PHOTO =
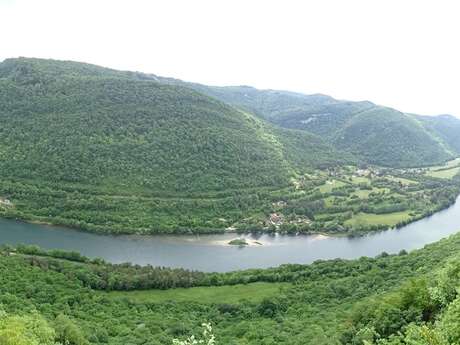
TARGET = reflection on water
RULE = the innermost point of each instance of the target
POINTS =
(210, 252)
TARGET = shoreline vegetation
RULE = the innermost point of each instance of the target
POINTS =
(340, 201)
(319, 234)
(349, 233)
(184, 232)
(107, 302)
(64, 260)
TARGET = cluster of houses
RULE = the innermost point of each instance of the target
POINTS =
(369, 172)
(5, 202)
(361, 172)
(278, 219)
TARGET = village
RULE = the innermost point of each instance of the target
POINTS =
(355, 199)
(5, 202)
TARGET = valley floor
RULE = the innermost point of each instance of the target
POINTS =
(343, 200)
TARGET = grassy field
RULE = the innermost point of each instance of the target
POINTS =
(363, 193)
(452, 163)
(254, 292)
(389, 219)
(330, 185)
(360, 179)
(449, 173)
(329, 201)
(403, 181)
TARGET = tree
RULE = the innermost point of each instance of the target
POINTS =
(25, 330)
(207, 337)
(67, 332)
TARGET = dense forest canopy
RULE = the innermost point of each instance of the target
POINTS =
(98, 128)
(114, 151)
(409, 298)
(126, 152)
(75, 133)
(375, 134)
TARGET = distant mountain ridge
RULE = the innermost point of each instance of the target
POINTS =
(375, 134)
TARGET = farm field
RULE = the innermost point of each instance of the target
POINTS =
(445, 173)
(254, 292)
(369, 219)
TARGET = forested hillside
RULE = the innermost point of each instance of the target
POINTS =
(375, 134)
(446, 127)
(105, 150)
(410, 298)
(390, 138)
(73, 125)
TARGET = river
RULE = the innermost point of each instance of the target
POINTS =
(210, 252)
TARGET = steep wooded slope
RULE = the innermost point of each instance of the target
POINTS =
(387, 137)
(375, 134)
(446, 127)
(381, 300)
(64, 121)
(107, 150)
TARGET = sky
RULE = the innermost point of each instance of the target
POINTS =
(400, 53)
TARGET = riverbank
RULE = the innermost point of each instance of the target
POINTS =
(181, 232)
(193, 251)
(340, 201)
(342, 232)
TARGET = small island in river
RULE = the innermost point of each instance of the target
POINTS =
(238, 242)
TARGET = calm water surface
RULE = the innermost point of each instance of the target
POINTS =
(207, 252)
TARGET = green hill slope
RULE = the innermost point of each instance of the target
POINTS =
(446, 127)
(391, 299)
(103, 130)
(319, 114)
(376, 134)
(387, 137)
(76, 128)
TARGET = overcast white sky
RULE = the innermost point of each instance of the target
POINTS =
(400, 53)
